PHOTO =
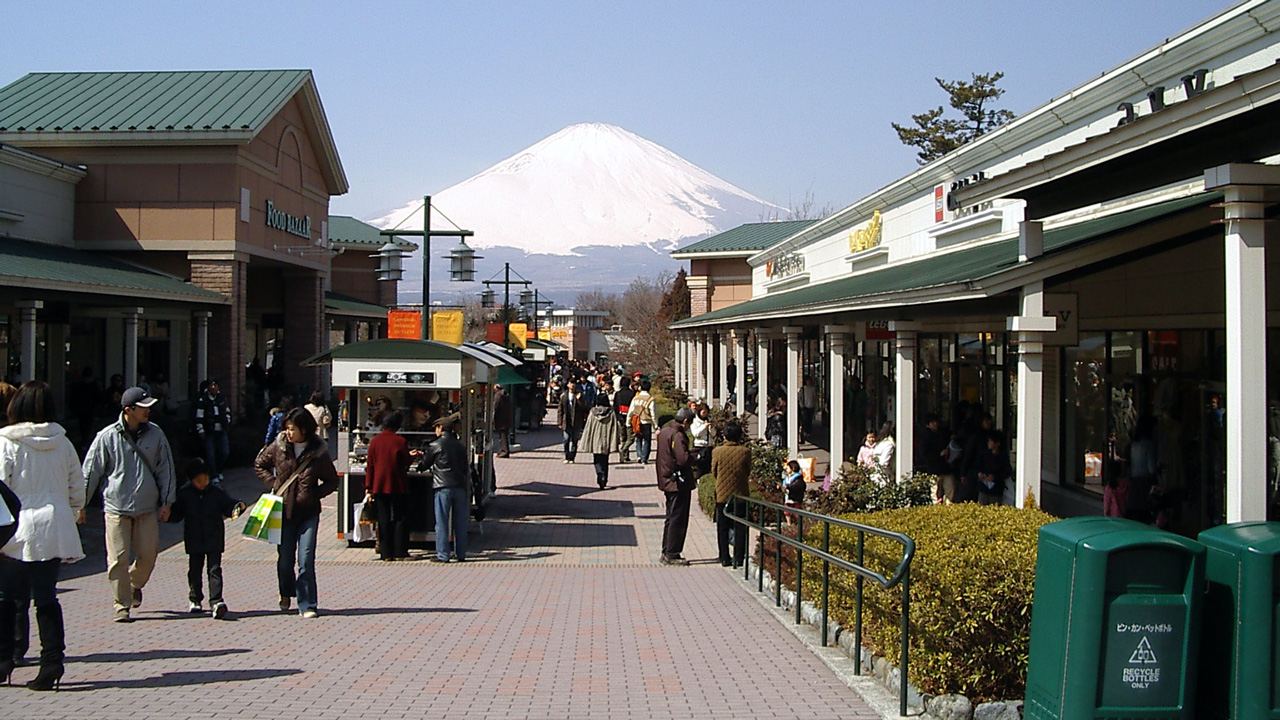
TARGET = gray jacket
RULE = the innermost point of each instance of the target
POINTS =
(128, 485)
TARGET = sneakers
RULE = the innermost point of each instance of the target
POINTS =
(309, 614)
(122, 616)
(195, 607)
(219, 611)
(437, 559)
(285, 603)
(673, 560)
(137, 597)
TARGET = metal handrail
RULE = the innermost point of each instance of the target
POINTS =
(901, 575)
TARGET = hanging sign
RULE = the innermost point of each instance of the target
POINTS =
(446, 326)
(517, 335)
(404, 324)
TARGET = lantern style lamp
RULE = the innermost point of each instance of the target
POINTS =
(390, 262)
(487, 298)
(462, 262)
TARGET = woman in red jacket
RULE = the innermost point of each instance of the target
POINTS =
(386, 482)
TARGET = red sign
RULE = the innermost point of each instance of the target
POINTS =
(493, 333)
(404, 324)
(938, 205)
(879, 330)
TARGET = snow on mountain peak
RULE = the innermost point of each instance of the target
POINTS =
(590, 184)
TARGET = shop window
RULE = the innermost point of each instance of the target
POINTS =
(1085, 411)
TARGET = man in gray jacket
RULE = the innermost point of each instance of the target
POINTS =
(132, 460)
(446, 458)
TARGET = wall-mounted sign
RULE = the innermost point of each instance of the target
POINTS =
(384, 377)
(784, 266)
(1192, 83)
(939, 209)
(964, 182)
(879, 330)
(867, 236)
(281, 220)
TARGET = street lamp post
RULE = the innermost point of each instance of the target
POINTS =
(506, 282)
(461, 259)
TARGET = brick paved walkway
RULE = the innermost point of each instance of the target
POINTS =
(563, 614)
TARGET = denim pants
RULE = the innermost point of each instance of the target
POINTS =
(298, 540)
(571, 435)
(644, 443)
(216, 448)
(452, 514)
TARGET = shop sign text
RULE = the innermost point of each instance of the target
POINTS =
(784, 266)
(867, 236)
(1192, 83)
(281, 220)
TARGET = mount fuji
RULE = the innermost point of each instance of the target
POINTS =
(590, 206)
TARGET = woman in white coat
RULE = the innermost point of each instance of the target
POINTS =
(39, 464)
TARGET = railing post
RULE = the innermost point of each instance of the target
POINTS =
(799, 562)
(906, 627)
(777, 563)
(857, 623)
(760, 566)
(826, 577)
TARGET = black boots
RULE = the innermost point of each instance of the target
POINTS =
(52, 647)
(6, 641)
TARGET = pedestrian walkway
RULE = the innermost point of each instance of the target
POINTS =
(561, 612)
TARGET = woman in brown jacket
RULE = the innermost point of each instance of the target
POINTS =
(297, 467)
(731, 466)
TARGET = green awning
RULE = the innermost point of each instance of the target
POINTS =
(507, 375)
(347, 306)
(385, 349)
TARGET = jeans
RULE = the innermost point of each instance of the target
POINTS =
(571, 435)
(723, 527)
(216, 448)
(601, 461)
(628, 439)
(125, 534)
(452, 513)
(644, 443)
(196, 563)
(298, 539)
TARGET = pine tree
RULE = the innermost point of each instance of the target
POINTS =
(936, 135)
(675, 301)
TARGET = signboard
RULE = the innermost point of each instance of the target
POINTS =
(784, 266)
(493, 333)
(517, 334)
(544, 334)
(1143, 657)
(867, 236)
(292, 224)
(1064, 307)
(446, 326)
(404, 324)
(939, 208)
(879, 330)
(392, 377)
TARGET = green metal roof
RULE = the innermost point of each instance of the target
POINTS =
(951, 268)
(133, 102)
(508, 376)
(752, 237)
(55, 267)
(339, 304)
(386, 349)
(350, 231)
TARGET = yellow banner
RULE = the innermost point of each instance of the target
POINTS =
(446, 326)
(544, 334)
(518, 335)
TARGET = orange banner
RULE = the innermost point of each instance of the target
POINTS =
(404, 324)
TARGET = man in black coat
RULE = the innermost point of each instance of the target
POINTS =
(621, 404)
(675, 479)
(572, 418)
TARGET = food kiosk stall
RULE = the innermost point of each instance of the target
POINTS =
(425, 380)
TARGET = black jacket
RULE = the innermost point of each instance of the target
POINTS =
(11, 501)
(203, 511)
(212, 414)
(447, 458)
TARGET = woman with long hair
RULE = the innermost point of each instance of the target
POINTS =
(40, 465)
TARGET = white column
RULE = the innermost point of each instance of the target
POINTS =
(27, 352)
(56, 374)
(762, 381)
(1246, 303)
(838, 337)
(722, 378)
(681, 380)
(709, 367)
(740, 360)
(696, 387)
(202, 345)
(904, 423)
(131, 346)
(793, 389)
(1030, 327)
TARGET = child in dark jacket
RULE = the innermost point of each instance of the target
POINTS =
(203, 507)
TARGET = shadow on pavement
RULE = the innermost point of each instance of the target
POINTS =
(553, 490)
(178, 679)
(577, 534)
(152, 655)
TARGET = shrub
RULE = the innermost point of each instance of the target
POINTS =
(857, 489)
(971, 591)
(767, 462)
(707, 494)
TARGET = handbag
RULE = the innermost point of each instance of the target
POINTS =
(635, 424)
(367, 511)
(365, 518)
(266, 519)
(10, 507)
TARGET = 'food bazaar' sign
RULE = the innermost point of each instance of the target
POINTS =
(867, 236)
(281, 220)
(784, 266)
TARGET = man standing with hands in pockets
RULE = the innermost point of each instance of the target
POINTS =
(131, 458)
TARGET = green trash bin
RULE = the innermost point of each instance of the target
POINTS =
(1238, 655)
(1115, 622)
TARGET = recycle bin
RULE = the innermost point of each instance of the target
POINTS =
(1238, 655)
(1115, 622)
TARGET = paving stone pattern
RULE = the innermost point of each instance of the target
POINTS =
(562, 612)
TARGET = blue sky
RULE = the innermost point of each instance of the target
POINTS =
(782, 99)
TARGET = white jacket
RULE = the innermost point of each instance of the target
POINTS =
(39, 464)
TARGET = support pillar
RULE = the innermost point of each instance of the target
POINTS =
(838, 338)
(228, 275)
(57, 361)
(131, 346)
(202, 345)
(27, 353)
(904, 423)
(708, 366)
(698, 386)
(762, 381)
(740, 360)
(1028, 456)
(722, 376)
(793, 389)
(1246, 302)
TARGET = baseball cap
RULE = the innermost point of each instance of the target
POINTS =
(136, 397)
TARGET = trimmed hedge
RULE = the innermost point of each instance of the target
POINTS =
(707, 494)
(971, 591)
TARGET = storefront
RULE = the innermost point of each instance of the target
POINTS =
(1094, 275)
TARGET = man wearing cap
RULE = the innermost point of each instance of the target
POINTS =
(675, 480)
(446, 457)
(132, 460)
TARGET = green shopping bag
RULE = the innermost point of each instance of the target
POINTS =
(265, 519)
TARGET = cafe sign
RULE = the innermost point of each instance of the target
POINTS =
(292, 224)
(784, 266)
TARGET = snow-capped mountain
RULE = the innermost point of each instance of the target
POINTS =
(592, 196)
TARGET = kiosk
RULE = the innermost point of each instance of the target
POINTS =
(425, 380)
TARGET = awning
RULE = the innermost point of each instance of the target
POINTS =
(966, 273)
(346, 306)
(385, 349)
(508, 376)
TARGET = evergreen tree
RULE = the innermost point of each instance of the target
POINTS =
(936, 135)
(675, 301)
